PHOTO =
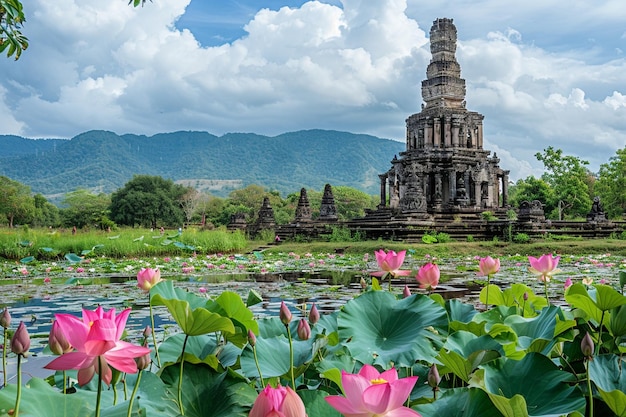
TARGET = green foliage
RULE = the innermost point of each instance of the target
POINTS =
(611, 185)
(470, 238)
(16, 203)
(570, 181)
(521, 238)
(11, 20)
(488, 216)
(85, 209)
(530, 189)
(148, 201)
(443, 237)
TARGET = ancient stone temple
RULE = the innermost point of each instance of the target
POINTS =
(328, 211)
(303, 210)
(444, 168)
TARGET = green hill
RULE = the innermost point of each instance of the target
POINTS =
(104, 161)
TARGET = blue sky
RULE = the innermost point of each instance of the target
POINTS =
(543, 72)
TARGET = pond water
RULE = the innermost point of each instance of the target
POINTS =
(35, 301)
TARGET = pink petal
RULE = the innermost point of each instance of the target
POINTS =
(120, 322)
(344, 406)
(85, 374)
(390, 375)
(353, 387)
(369, 372)
(74, 329)
(402, 412)
(376, 398)
(400, 391)
(71, 360)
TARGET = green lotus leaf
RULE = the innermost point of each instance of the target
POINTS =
(199, 349)
(538, 333)
(193, 322)
(73, 258)
(460, 311)
(37, 396)
(617, 322)
(272, 347)
(230, 304)
(598, 300)
(166, 290)
(379, 329)
(545, 388)
(463, 352)
(316, 405)
(207, 394)
(254, 298)
(606, 371)
(26, 260)
(460, 402)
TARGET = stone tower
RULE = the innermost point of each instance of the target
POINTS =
(444, 168)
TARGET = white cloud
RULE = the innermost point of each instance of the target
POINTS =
(356, 68)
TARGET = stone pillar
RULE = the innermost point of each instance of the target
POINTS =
(383, 190)
(480, 136)
(428, 134)
(466, 181)
(452, 184)
(437, 132)
(505, 190)
(455, 133)
(496, 192)
(447, 139)
(438, 189)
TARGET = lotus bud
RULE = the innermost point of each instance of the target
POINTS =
(406, 292)
(143, 362)
(147, 332)
(285, 314)
(314, 315)
(251, 338)
(304, 331)
(57, 341)
(525, 296)
(5, 319)
(148, 278)
(363, 283)
(586, 346)
(20, 342)
(433, 376)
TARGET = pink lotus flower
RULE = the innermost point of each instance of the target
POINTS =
(304, 330)
(390, 263)
(97, 344)
(568, 283)
(544, 267)
(278, 402)
(148, 278)
(373, 394)
(488, 266)
(428, 276)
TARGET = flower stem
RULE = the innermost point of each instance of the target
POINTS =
(5, 346)
(590, 391)
(293, 380)
(256, 360)
(545, 286)
(99, 394)
(486, 294)
(180, 377)
(18, 396)
(132, 396)
(156, 350)
(597, 352)
(64, 382)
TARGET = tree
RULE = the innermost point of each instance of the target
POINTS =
(46, 213)
(190, 202)
(148, 201)
(570, 181)
(349, 202)
(16, 202)
(611, 185)
(82, 208)
(11, 20)
(530, 189)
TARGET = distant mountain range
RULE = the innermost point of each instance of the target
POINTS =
(103, 161)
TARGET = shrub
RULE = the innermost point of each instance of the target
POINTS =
(443, 238)
(470, 238)
(521, 238)
(488, 216)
